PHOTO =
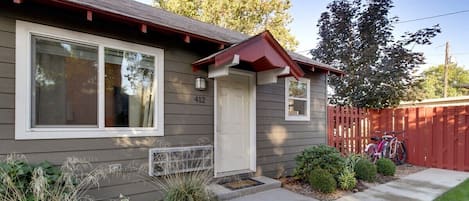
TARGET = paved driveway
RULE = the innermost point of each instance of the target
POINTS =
(422, 186)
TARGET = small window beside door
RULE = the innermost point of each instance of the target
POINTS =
(297, 99)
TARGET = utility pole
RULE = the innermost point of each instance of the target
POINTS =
(445, 90)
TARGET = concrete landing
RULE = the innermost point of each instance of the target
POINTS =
(425, 185)
(278, 194)
(223, 193)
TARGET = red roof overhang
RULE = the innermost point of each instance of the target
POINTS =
(262, 52)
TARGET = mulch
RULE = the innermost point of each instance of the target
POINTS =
(301, 187)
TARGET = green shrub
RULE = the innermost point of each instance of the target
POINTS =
(322, 181)
(322, 156)
(385, 167)
(365, 170)
(347, 179)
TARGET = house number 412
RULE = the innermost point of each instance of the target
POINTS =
(199, 99)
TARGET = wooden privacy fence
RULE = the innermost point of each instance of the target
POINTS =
(348, 129)
(434, 136)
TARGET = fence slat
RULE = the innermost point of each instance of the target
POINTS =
(450, 138)
(437, 135)
(330, 126)
(412, 118)
(427, 137)
(466, 142)
(460, 137)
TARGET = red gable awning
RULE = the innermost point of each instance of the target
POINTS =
(262, 52)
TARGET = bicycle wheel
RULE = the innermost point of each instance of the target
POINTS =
(370, 151)
(401, 154)
(386, 153)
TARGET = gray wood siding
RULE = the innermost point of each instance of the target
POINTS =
(186, 121)
(279, 141)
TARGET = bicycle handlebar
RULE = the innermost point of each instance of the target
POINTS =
(390, 132)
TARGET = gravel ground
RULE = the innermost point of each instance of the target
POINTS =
(303, 188)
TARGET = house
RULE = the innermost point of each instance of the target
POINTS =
(109, 80)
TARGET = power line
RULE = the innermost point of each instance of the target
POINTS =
(431, 17)
(457, 53)
(301, 51)
(440, 45)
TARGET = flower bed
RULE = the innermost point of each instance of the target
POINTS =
(304, 188)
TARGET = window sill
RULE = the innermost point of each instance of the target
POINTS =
(75, 133)
(293, 118)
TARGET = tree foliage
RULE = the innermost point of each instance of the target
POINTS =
(433, 81)
(246, 16)
(357, 38)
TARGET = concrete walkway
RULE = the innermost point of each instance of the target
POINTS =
(422, 186)
(278, 194)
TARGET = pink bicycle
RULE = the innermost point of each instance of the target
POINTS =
(387, 146)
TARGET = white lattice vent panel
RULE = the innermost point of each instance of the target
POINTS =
(170, 160)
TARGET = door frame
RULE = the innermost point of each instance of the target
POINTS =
(252, 123)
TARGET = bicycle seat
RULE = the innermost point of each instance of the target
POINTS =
(387, 137)
(375, 138)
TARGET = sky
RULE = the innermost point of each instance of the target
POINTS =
(455, 28)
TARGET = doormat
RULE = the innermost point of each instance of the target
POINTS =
(240, 184)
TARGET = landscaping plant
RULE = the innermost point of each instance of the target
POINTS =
(191, 186)
(322, 181)
(347, 180)
(385, 167)
(22, 181)
(19, 173)
(365, 170)
(352, 159)
(321, 156)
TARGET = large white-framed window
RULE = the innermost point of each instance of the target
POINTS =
(297, 99)
(76, 85)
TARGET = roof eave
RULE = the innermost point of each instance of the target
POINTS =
(150, 24)
(313, 67)
(121, 16)
(296, 69)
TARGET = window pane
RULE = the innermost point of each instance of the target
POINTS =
(297, 107)
(297, 89)
(65, 83)
(129, 98)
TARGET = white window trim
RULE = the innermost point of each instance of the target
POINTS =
(23, 130)
(307, 99)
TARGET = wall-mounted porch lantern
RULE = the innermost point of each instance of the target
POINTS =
(200, 84)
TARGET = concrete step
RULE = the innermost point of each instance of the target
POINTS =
(223, 193)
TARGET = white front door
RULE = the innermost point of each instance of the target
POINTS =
(234, 124)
